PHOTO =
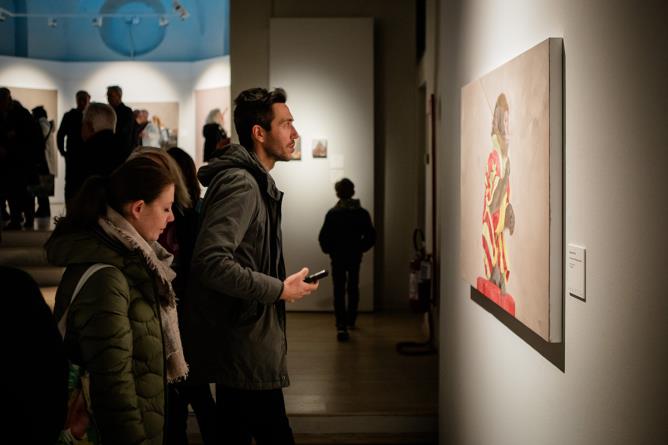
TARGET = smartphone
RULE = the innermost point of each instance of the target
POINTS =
(316, 276)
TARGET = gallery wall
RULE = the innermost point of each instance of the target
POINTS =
(396, 156)
(152, 82)
(610, 387)
(330, 101)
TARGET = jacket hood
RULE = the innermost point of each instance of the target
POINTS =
(63, 249)
(236, 156)
(348, 204)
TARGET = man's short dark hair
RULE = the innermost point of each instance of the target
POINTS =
(254, 107)
(345, 189)
(116, 89)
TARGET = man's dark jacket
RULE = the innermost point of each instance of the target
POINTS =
(347, 232)
(125, 124)
(102, 153)
(235, 322)
(72, 149)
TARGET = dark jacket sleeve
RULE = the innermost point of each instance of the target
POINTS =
(325, 237)
(368, 232)
(228, 217)
(62, 131)
(106, 352)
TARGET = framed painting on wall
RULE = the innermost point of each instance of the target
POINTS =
(511, 187)
(319, 148)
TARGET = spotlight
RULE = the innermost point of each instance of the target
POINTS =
(180, 10)
(52, 22)
(97, 22)
(164, 21)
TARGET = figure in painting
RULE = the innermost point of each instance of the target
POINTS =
(497, 215)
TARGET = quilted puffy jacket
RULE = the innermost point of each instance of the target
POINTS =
(114, 332)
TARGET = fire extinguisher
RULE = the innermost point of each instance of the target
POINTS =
(419, 296)
(419, 278)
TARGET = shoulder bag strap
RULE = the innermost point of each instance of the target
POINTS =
(62, 323)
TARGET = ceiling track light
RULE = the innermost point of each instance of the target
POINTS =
(97, 20)
(180, 9)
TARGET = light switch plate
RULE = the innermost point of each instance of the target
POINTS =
(575, 271)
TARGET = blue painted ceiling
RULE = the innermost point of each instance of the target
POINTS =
(112, 30)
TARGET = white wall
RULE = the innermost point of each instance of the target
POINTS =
(496, 389)
(331, 100)
(141, 82)
(396, 156)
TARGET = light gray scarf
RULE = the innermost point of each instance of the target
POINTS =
(158, 260)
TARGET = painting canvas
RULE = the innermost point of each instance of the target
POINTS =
(319, 148)
(511, 187)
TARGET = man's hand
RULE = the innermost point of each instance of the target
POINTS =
(294, 287)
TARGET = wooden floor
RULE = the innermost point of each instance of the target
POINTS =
(365, 375)
(357, 392)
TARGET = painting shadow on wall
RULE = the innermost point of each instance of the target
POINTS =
(555, 353)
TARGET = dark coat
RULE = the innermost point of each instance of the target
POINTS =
(347, 232)
(33, 378)
(22, 156)
(125, 126)
(235, 322)
(70, 146)
(102, 153)
(114, 332)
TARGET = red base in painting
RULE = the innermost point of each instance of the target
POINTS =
(493, 292)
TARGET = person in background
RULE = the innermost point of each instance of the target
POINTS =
(51, 156)
(235, 312)
(22, 155)
(102, 151)
(345, 235)
(122, 328)
(214, 134)
(33, 377)
(164, 131)
(179, 239)
(70, 143)
(149, 134)
(125, 119)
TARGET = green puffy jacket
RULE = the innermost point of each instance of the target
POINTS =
(114, 332)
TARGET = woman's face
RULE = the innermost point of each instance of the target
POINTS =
(150, 219)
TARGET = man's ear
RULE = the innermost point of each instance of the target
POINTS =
(258, 133)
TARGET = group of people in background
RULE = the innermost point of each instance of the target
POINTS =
(94, 138)
(24, 139)
(165, 292)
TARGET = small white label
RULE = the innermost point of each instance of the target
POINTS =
(575, 271)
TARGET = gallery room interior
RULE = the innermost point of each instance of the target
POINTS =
(533, 295)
